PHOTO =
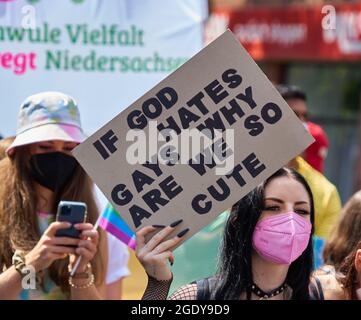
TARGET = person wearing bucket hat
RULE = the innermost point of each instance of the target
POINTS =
(37, 173)
(47, 116)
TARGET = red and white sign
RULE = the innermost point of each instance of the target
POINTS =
(295, 32)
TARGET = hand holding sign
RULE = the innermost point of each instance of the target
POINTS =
(241, 123)
(154, 253)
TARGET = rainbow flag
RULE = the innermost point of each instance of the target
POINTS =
(113, 223)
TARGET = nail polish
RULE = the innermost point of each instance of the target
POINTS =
(175, 223)
(182, 233)
(158, 226)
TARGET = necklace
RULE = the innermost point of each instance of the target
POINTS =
(266, 295)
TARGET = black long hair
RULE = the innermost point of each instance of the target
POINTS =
(234, 274)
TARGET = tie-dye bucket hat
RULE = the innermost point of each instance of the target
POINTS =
(47, 116)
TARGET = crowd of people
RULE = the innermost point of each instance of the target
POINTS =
(289, 238)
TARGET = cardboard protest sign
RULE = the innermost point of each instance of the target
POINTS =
(221, 89)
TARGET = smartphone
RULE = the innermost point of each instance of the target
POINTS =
(72, 212)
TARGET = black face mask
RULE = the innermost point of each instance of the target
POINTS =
(52, 170)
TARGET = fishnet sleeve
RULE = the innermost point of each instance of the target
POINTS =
(158, 290)
(187, 292)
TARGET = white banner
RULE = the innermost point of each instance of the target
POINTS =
(105, 54)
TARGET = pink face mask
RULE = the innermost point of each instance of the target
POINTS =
(281, 238)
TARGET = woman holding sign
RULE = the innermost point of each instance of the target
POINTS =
(37, 173)
(266, 251)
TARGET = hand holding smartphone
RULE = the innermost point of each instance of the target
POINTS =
(72, 212)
